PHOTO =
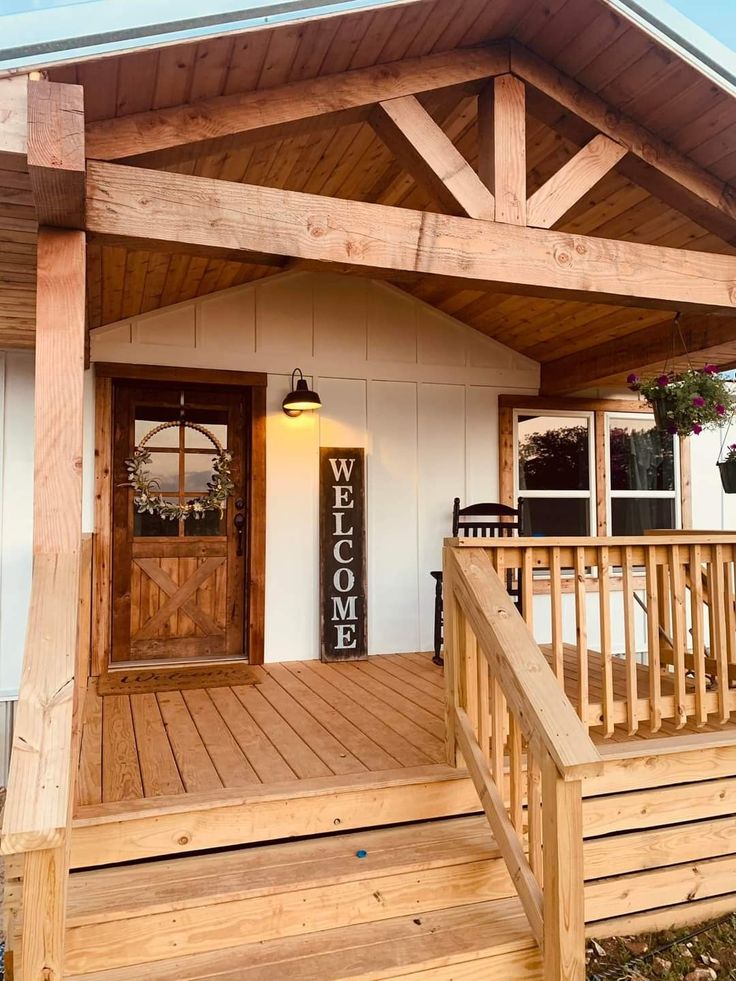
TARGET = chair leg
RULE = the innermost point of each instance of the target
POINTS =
(438, 623)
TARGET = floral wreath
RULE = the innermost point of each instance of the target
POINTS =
(148, 498)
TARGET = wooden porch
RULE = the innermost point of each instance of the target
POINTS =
(303, 725)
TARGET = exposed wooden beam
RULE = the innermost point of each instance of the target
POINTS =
(154, 209)
(56, 159)
(319, 101)
(573, 180)
(713, 195)
(612, 360)
(431, 157)
(509, 149)
(13, 121)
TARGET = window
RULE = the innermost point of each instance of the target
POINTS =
(555, 467)
(642, 465)
(589, 467)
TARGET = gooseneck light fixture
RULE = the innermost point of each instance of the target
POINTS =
(301, 398)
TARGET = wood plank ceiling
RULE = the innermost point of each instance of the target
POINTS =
(584, 38)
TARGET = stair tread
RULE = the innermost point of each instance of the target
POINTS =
(389, 948)
(165, 885)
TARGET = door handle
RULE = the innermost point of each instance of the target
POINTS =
(239, 523)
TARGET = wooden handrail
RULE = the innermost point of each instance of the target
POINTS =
(525, 750)
(544, 711)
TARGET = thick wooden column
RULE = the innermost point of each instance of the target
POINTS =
(40, 791)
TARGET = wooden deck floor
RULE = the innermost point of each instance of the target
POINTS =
(303, 720)
(303, 723)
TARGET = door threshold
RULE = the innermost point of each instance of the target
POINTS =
(140, 679)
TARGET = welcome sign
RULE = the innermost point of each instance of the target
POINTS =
(342, 553)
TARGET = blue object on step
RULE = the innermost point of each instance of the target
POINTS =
(361, 853)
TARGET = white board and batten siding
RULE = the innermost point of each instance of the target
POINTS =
(414, 387)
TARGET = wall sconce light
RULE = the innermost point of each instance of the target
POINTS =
(300, 398)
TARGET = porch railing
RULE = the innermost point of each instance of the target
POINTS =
(639, 632)
(40, 789)
(525, 749)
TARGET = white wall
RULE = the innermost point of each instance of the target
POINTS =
(16, 512)
(416, 388)
(712, 508)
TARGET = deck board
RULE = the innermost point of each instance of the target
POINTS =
(300, 722)
(303, 721)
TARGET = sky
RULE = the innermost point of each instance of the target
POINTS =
(716, 16)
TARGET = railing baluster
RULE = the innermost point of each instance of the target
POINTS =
(516, 810)
(719, 646)
(632, 688)
(498, 731)
(697, 621)
(558, 653)
(534, 813)
(484, 705)
(470, 674)
(581, 634)
(527, 588)
(653, 638)
(604, 594)
(730, 604)
(677, 597)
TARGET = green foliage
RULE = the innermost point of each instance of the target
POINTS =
(149, 500)
(687, 402)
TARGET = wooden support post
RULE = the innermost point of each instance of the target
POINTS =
(564, 912)
(56, 152)
(509, 145)
(40, 789)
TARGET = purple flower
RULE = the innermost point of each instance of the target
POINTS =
(698, 401)
(721, 409)
(697, 429)
(732, 446)
(632, 379)
(663, 381)
(711, 369)
(672, 430)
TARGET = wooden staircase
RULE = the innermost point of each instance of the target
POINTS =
(431, 900)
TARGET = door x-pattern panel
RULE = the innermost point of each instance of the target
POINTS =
(180, 597)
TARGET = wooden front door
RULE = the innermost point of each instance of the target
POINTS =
(179, 589)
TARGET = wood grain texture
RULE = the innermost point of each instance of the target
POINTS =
(509, 148)
(427, 154)
(317, 100)
(573, 180)
(56, 155)
(169, 210)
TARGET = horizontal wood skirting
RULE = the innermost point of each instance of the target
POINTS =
(169, 373)
(110, 833)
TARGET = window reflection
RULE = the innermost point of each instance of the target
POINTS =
(553, 453)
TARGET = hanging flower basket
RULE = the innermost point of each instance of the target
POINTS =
(686, 402)
(727, 470)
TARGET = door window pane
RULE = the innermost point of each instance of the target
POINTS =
(209, 524)
(640, 456)
(197, 472)
(164, 469)
(153, 525)
(554, 453)
(194, 440)
(635, 515)
(556, 516)
(167, 437)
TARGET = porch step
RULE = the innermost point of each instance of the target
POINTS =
(373, 904)
(480, 942)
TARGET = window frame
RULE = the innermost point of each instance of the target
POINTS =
(511, 406)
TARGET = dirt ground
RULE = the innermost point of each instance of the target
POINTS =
(701, 953)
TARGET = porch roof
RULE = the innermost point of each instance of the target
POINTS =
(603, 47)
